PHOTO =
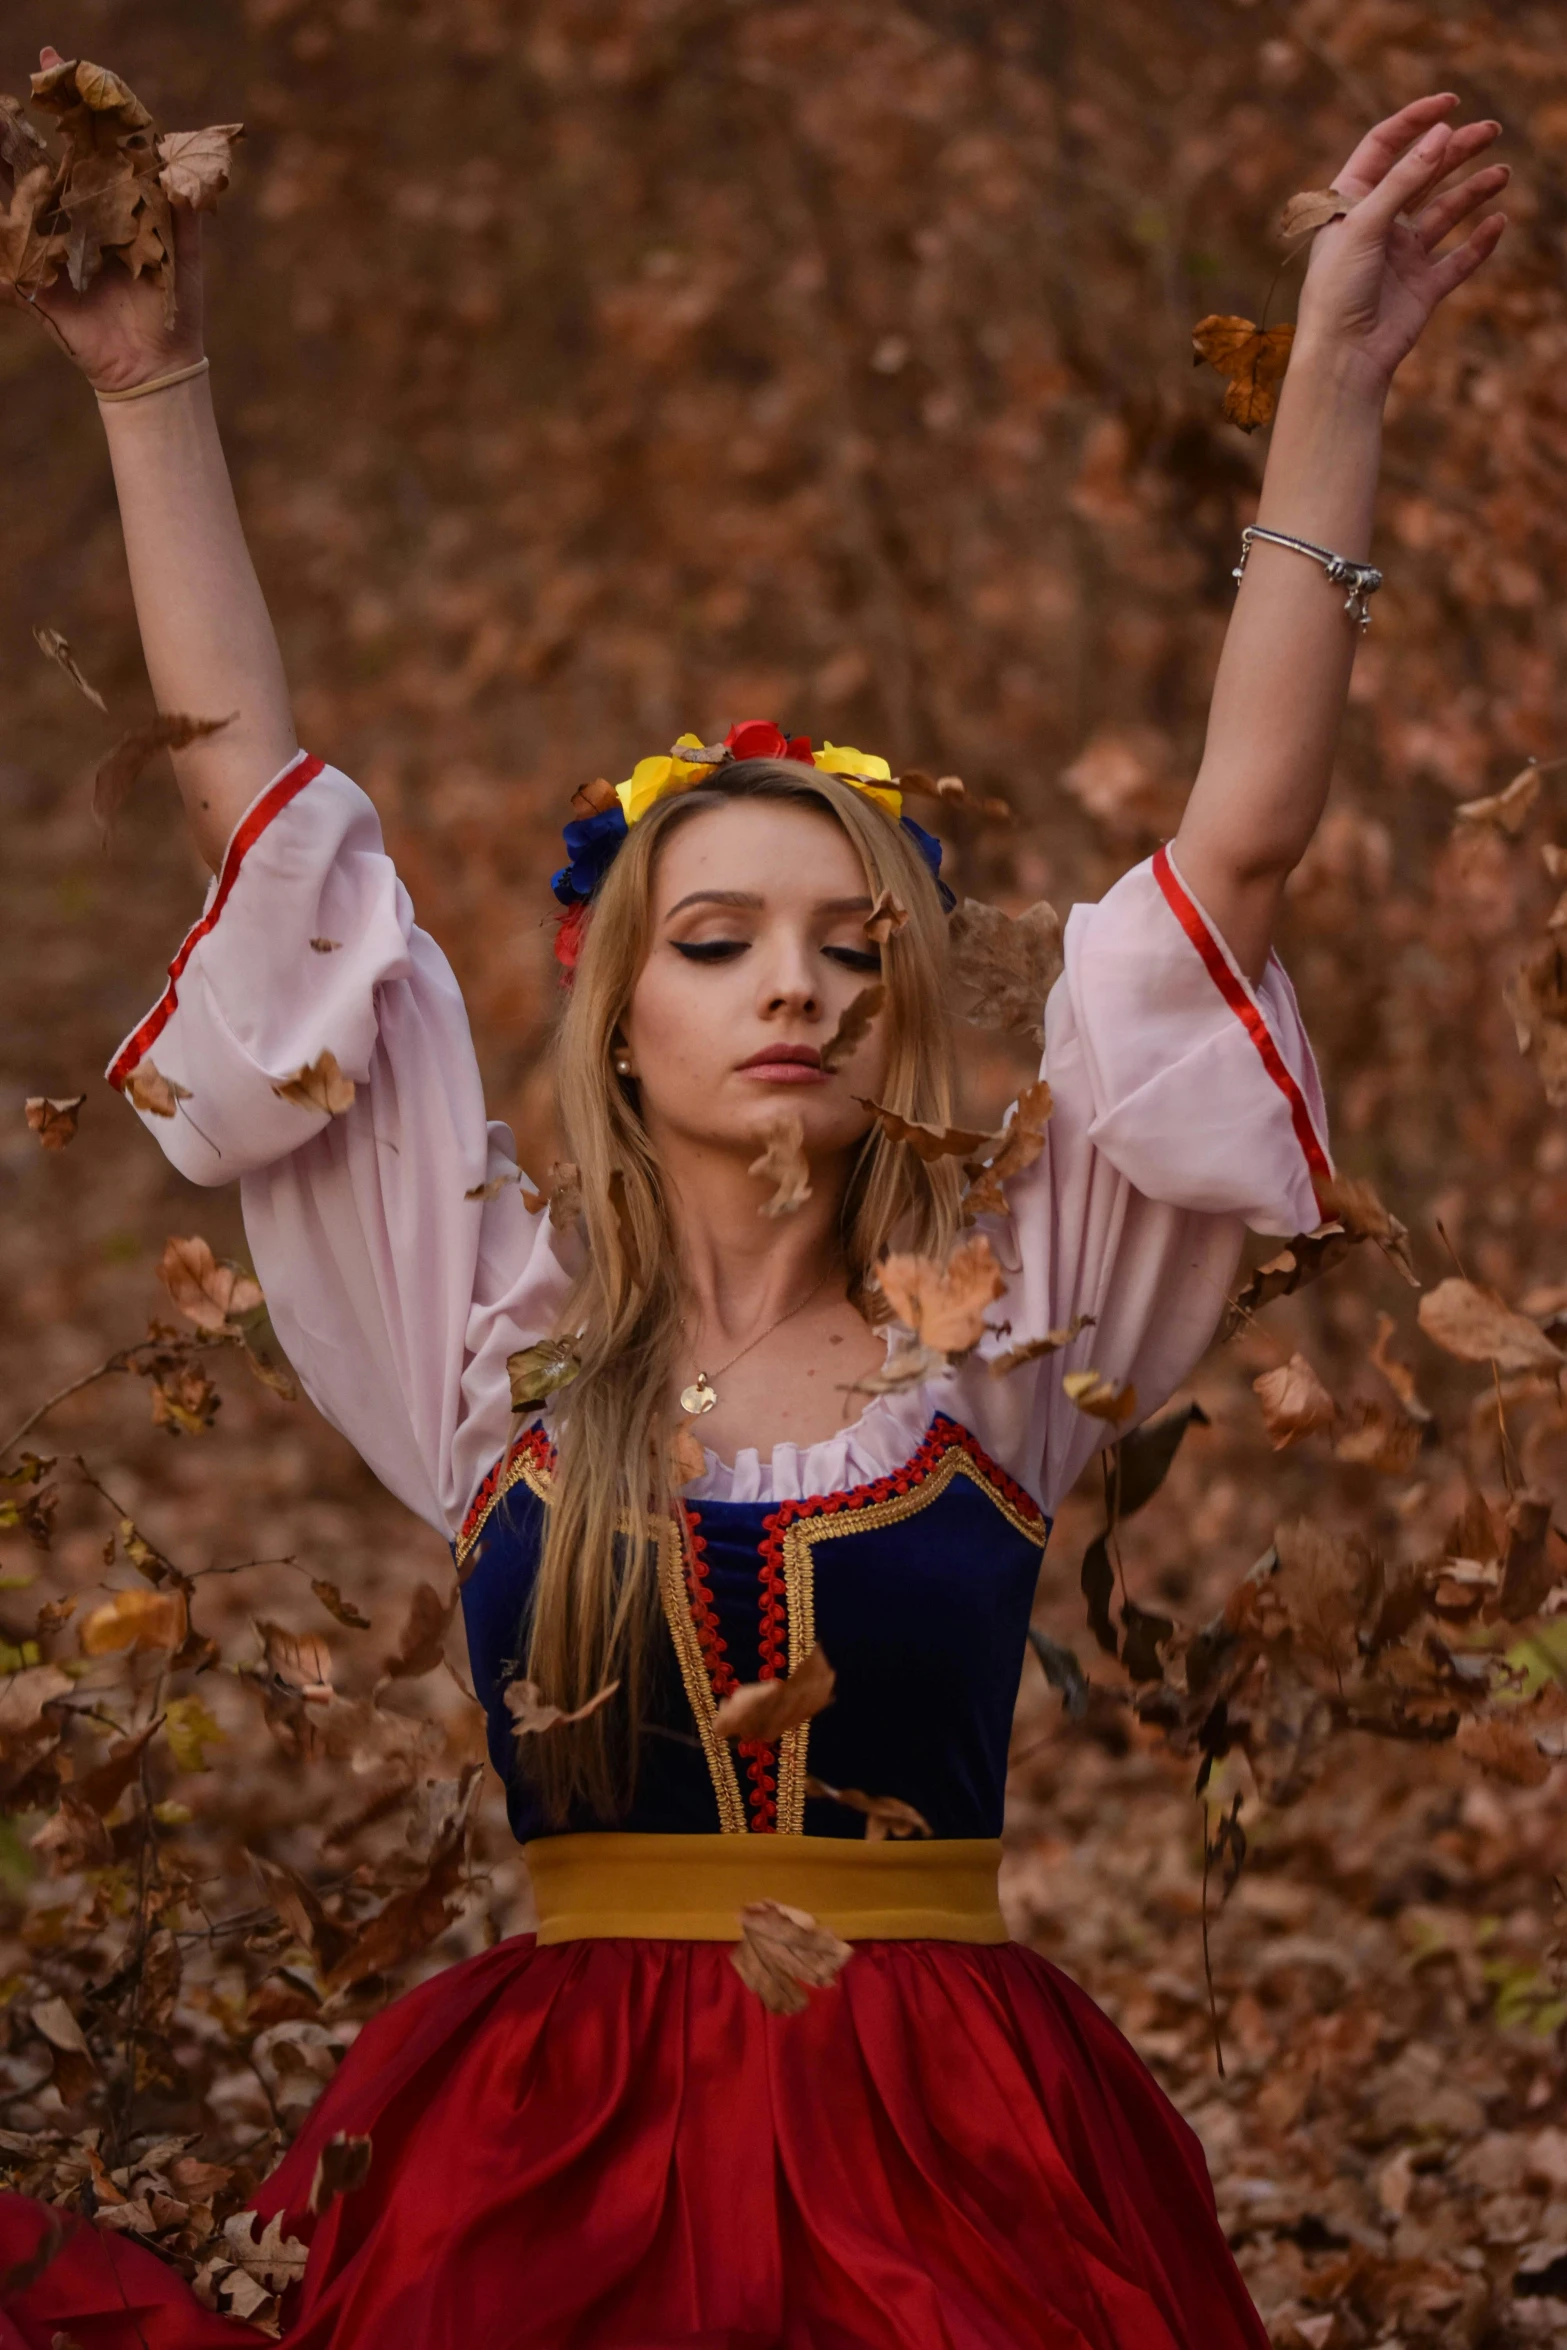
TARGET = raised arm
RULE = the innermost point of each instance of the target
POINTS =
(1371, 285)
(206, 635)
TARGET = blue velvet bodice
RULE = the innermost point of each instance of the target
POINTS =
(918, 1589)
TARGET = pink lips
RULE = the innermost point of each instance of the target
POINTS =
(786, 1064)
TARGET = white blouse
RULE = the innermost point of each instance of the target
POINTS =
(1187, 1106)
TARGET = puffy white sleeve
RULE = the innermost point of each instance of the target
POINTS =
(1186, 1107)
(396, 1297)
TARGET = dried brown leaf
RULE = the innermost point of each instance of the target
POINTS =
(927, 1141)
(687, 1459)
(1100, 1397)
(342, 2166)
(421, 1644)
(1328, 1587)
(885, 919)
(1031, 1349)
(55, 648)
(781, 1163)
(1312, 209)
(196, 164)
(885, 1815)
(319, 1085)
(1353, 1202)
(1252, 361)
(1372, 1438)
(1505, 1749)
(532, 1711)
(909, 1365)
(1021, 1142)
(148, 1090)
(301, 1662)
(135, 1620)
(496, 1185)
(783, 1953)
(539, 1371)
(854, 1027)
(1480, 1327)
(120, 770)
(1529, 1573)
(273, 2259)
(1294, 1402)
(764, 1710)
(1505, 811)
(1308, 1256)
(207, 1292)
(54, 1122)
(944, 1305)
(336, 1605)
(185, 1402)
(1006, 966)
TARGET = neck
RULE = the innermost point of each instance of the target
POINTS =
(739, 1267)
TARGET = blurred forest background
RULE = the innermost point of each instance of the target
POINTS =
(591, 369)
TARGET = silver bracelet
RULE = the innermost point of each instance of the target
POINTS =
(1363, 580)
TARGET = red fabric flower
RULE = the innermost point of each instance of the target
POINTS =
(569, 933)
(759, 738)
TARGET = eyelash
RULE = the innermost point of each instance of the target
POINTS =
(724, 950)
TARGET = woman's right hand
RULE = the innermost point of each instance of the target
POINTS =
(116, 331)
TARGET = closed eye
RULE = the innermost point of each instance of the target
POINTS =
(855, 958)
(710, 950)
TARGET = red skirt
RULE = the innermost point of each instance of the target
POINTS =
(610, 2145)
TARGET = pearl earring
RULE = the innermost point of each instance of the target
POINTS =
(622, 1064)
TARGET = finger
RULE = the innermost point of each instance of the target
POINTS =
(1465, 259)
(1443, 214)
(1382, 146)
(1403, 187)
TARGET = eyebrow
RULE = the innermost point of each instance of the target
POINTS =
(746, 899)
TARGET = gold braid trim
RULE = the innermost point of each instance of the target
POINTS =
(721, 1770)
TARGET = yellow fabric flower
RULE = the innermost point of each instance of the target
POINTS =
(873, 775)
(650, 779)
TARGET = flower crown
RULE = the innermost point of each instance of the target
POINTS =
(593, 841)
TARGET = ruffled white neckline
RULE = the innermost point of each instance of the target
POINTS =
(885, 1436)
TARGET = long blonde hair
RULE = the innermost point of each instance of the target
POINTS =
(595, 1603)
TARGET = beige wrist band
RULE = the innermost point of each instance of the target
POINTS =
(159, 383)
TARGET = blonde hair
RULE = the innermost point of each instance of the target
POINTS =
(595, 1604)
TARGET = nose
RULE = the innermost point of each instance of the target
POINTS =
(789, 982)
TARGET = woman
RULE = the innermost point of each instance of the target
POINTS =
(604, 2137)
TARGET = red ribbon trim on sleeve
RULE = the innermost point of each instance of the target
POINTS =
(272, 802)
(1246, 1012)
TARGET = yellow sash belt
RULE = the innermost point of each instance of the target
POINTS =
(693, 1888)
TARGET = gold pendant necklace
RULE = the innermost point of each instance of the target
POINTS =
(702, 1395)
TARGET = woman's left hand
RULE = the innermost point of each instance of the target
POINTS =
(1374, 276)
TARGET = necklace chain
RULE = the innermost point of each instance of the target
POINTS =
(702, 1395)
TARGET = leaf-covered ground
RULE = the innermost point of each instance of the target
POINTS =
(597, 369)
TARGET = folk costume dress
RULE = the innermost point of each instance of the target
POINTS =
(596, 2138)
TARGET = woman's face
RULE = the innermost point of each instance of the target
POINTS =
(757, 947)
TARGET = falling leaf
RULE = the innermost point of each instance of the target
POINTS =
(336, 1605)
(496, 1185)
(1100, 1397)
(299, 1908)
(1479, 1327)
(300, 1661)
(944, 1305)
(59, 2027)
(1032, 1349)
(1327, 1586)
(1251, 360)
(1529, 1574)
(782, 1164)
(854, 1026)
(325, 946)
(885, 919)
(909, 1365)
(210, 1293)
(1062, 1671)
(562, 1195)
(1140, 1463)
(56, 649)
(120, 770)
(275, 2260)
(783, 1953)
(1353, 1202)
(1308, 1256)
(1507, 1750)
(1294, 1402)
(1312, 209)
(190, 1728)
(595, 798)
(421, 1644)
(74, 1837)
(1143, 1636)
(196, 164)
(764, 1710)
(927, 1141)
(319, 1085)
(1021, 1143)
(342, 2166)
(885, 1815)
(539, 1371)
(185, 1402)
(1536, 996)
(1398, 1374)
(54, 1122)
(148, 1090)
(1007, 966)
(687, 1459)
(1508, 810)
(135, 1620)
(531, 1710)
(1372, 1438)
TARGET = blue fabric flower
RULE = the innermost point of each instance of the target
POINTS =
(592, 844)
(930, 849)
